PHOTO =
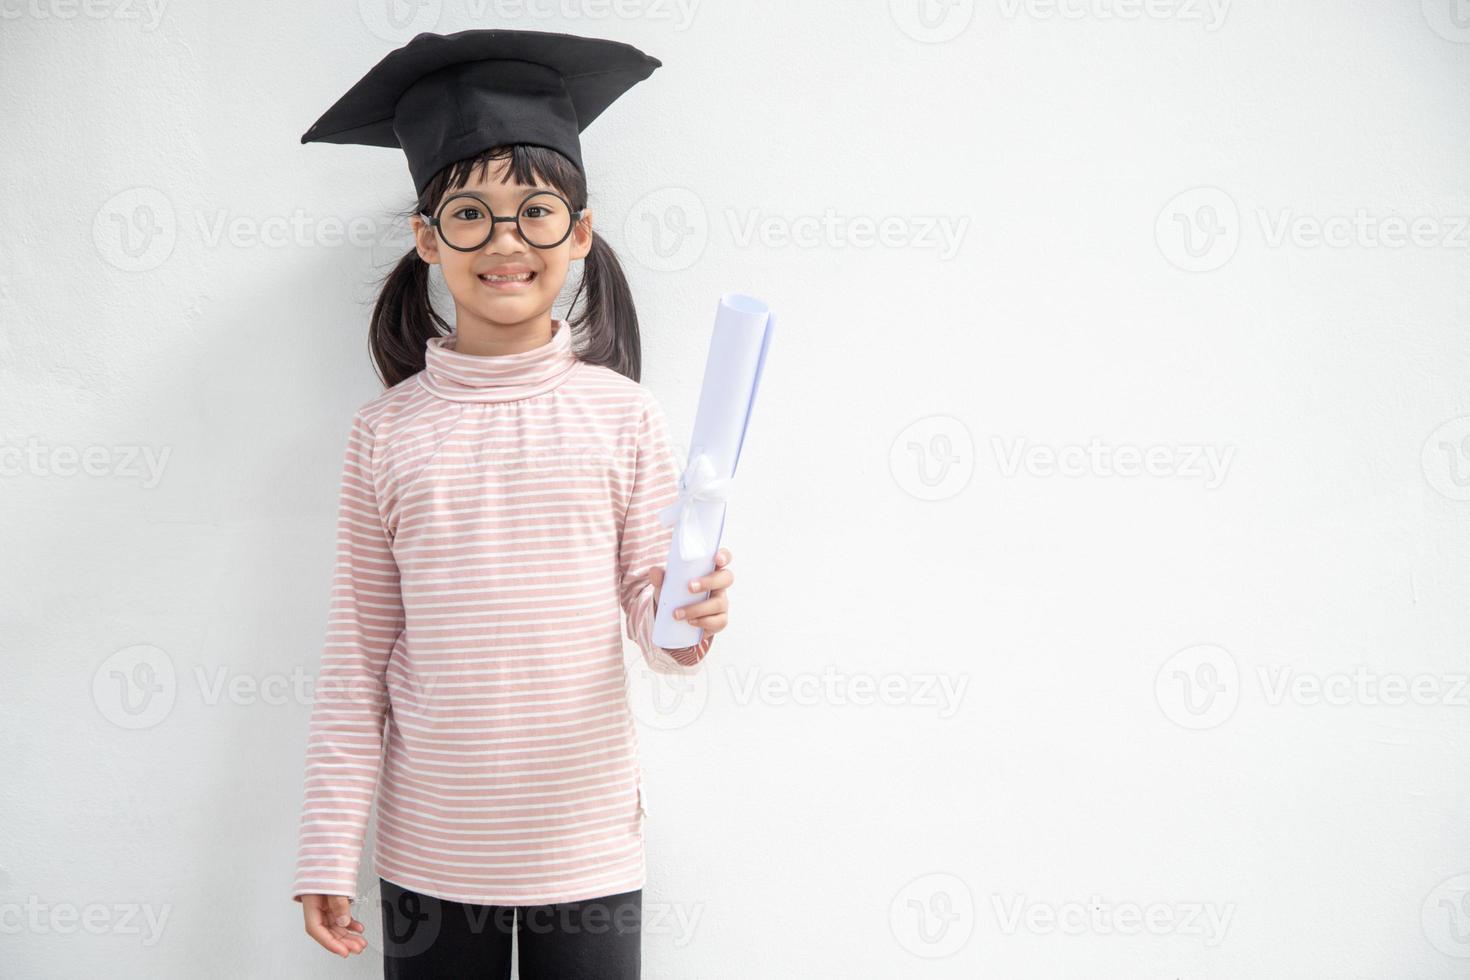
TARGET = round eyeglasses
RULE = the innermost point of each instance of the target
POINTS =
(544, 220)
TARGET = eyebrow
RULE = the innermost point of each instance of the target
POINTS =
(507, 190)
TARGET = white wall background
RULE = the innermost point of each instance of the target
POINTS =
(1204, 721)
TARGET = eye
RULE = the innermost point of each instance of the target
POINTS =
(536, 211)
(467, 213)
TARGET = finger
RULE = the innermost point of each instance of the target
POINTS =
(712, 624)
(722, 558)
(714, 581)
(705, 607)
(339, 910)
(354, 942)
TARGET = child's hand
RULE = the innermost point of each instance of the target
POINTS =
(323, 912)
(712, 614)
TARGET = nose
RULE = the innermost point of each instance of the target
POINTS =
(505, 237)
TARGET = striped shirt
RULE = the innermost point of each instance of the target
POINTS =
(497, 519)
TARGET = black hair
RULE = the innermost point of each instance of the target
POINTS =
(605, 332)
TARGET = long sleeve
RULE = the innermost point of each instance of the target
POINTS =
(643, 543)
(344, 746)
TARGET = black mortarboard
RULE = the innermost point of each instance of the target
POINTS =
(445, 97)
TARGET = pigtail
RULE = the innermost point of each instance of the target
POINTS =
(403, 321)
(609, 323)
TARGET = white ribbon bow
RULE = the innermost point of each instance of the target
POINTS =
(698, 483)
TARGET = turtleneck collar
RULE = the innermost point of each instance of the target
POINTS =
(451, 374)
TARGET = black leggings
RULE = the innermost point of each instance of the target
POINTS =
(596, 939)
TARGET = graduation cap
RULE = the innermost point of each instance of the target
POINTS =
(446, 97)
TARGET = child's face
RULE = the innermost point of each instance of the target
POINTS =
(501, 304)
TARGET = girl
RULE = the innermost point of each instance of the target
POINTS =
(499, 513)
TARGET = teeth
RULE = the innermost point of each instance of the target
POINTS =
(521, 277)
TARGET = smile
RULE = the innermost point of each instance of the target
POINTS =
(518, 280)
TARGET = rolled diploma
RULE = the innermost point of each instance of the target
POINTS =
(732, 373)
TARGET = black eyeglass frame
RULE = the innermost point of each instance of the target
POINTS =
(434, 219)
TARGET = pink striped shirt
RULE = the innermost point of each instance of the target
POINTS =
(498, 516)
